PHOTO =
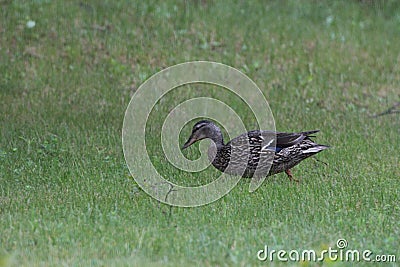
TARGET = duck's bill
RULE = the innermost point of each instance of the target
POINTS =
(189, 143)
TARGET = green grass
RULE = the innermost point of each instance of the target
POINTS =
(66, 195)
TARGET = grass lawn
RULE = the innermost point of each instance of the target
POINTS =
(69, 68)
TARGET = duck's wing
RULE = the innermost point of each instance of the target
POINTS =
(290, 139)
(264, 139)
(255, 139)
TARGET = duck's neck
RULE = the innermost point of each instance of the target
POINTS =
(217, 137)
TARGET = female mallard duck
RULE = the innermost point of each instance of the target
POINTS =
(252, 153)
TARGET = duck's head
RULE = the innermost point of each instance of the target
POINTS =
(204, 129)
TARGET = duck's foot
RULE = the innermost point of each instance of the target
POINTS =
(290, 175)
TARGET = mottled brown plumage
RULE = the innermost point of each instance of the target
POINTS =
(252, 153)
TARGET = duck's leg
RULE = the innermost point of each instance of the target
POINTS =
(290, 175)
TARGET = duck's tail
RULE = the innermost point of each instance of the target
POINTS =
(314, 149)
(310, 133)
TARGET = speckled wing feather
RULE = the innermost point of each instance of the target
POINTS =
(290, 139)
